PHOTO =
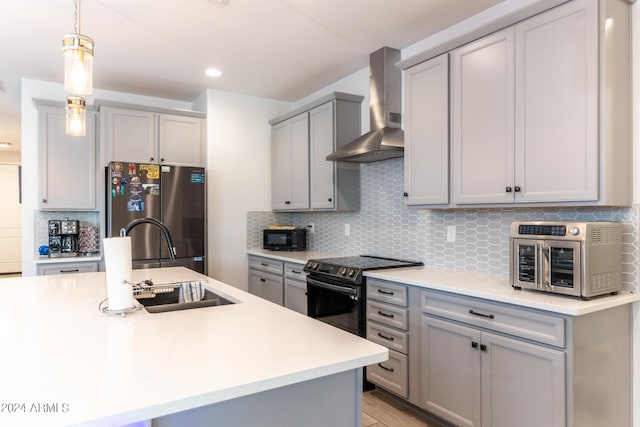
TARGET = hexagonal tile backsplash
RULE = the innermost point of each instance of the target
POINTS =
(385, 226)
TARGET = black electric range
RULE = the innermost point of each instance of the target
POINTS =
(349, 269)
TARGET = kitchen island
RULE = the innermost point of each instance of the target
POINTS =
(250, 363)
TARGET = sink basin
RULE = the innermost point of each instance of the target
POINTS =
(168, 301)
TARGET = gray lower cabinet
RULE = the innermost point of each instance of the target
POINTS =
(265, 279)
(295, 287)
(66, 268)
(281, 282)
(497, 365)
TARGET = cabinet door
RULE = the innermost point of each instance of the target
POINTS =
(290, 164)
(295, 295)
(321, 144)
(267, 286)
(181, 140)
(426, 132)
(557, 105)
(67, 164)
(483, 120)
(128, 135)
(451, 371)
(522, 384)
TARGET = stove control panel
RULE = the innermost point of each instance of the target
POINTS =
(333, 270)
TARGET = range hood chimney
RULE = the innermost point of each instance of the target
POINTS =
(386, 138)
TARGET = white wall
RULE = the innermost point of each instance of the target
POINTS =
(35, 89)
(238, 176)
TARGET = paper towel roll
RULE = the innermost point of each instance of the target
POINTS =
(117, 260)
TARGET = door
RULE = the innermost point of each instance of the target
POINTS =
(321, 144)
(180, 140)
(522, 384)
(337, 304)
(451, 372)
(133, 193)
(295, 295)
(426, 132)
(562, 267)
(556, 130)
(267, 286)
(527, 263)
(11, 220)
(182, 196)
(129, 135)
(290, 164)
(482, 114)
(67, 163)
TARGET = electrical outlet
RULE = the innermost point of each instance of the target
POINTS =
(312, 228)
(451, 233)
(347, 229)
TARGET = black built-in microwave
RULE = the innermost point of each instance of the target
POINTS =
(285, 240)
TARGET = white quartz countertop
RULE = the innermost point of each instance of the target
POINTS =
(497, 288)
(85, 367)
(480, 285)
(54, 260)
(300, 257)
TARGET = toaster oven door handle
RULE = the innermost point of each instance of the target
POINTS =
(539, 279)
(545, 264)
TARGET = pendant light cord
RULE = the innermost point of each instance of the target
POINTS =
(77, 15)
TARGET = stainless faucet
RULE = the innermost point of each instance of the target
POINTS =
(163, 228)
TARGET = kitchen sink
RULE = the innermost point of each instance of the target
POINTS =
(169, 301)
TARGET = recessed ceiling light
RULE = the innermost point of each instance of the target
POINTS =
(4, 144)
(213, 72)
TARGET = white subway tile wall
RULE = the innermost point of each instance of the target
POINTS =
(385, 227)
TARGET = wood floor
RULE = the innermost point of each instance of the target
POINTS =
(381, 409)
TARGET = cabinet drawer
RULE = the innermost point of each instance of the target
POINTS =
(387, 292)
(67, 268)
(294, 271)
(388, 314)
(266, 264)
(392, 374)
(541, 327)
(388, 337)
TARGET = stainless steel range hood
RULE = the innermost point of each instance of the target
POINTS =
(386, 138)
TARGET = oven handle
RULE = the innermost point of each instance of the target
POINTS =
(334, 288)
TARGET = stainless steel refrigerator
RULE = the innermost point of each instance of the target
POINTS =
(174, 195)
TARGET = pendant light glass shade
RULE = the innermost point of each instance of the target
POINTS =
(76, 112)
(78, 64)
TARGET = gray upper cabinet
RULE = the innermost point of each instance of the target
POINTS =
(151, 137)
(482, 117)
(128, 135)
(290, 164)
(67, 164)
(181, 140)
(302, 178)
(426, 132)
(539, 114)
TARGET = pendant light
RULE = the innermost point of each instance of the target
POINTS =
(76, 111)
(78, 59)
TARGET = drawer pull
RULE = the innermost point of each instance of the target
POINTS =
(388, 338)
(475, 313)
(263, 280)
(264, 264)
(296, 272)
(74, 270)
(385, 292)
(385, 368)
(382, 313)
(474, 344)
(483, 347)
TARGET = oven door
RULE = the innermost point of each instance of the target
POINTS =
(336, 303)
(562, 267)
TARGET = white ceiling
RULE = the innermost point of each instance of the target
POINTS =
(281, 49)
